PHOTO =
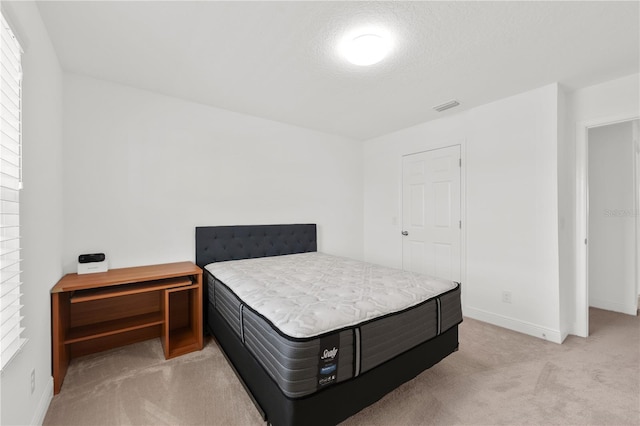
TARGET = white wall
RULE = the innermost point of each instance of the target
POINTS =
(601, 103)
(612, 218)
(566, 221)
(41, 217)
(141, 170)
(510, 193)
(610, 99)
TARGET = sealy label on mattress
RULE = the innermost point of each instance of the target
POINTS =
(328, 359)
(308, 294)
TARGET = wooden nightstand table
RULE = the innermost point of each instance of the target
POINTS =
(94, 312)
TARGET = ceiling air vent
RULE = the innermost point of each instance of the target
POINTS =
(446, 105)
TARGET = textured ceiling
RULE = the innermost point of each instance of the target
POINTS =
(278, 60)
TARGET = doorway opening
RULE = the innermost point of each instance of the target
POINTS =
(608, 259)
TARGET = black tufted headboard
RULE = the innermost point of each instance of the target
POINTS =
(220, 243)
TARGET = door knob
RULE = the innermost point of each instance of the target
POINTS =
(405, 233)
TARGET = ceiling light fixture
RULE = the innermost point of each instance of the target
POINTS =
(366, 47)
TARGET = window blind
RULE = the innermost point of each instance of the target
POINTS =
(11, 330)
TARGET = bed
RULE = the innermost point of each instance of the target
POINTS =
(316, 338)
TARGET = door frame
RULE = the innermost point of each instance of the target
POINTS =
(582, 217)
(463, 206)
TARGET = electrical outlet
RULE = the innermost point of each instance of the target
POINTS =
(33, 381)
(506, 297)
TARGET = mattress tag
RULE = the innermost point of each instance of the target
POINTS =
(328, 359)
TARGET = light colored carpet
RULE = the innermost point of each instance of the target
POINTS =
(497, 377)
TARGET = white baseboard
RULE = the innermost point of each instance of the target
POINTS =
(514, 324)
(43, 405)
(607, 305)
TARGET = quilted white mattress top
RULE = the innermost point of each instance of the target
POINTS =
(308, 294)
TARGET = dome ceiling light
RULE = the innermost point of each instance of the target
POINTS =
(366, 47)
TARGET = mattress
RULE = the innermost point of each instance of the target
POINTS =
(312, 320)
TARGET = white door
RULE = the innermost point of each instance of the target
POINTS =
(431, 213)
